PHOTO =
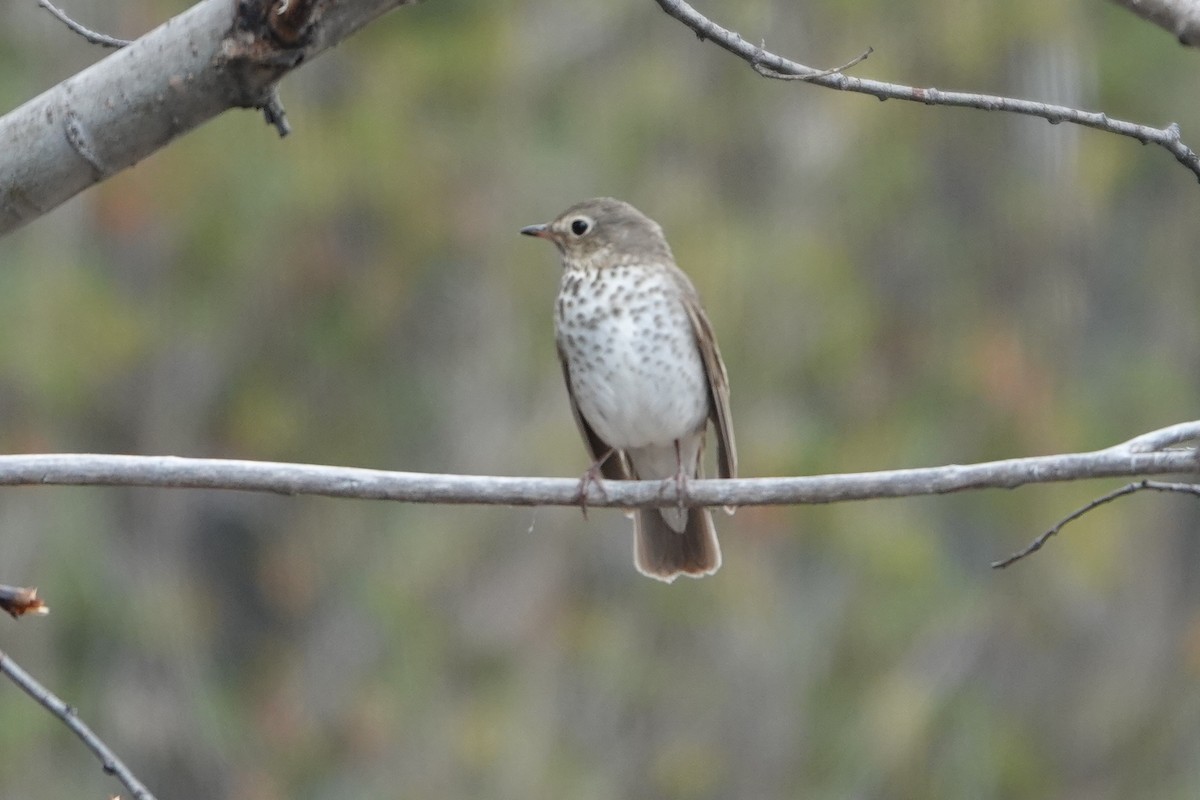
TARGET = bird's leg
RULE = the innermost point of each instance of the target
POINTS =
(680, 478)
(594, 475)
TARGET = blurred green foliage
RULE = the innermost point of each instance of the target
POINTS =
(893, 285)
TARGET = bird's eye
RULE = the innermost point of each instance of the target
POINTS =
(580, 226)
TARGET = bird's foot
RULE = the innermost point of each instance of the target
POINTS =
(594, 475)
(681, 479)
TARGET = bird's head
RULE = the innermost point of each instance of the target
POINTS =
(605, 231)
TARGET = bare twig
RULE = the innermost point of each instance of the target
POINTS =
(92, 37)
(767, 72)
(771, 65)
(28, 684)
(1036, 544)
(108, 759)
(1180, 17)
(412, 487)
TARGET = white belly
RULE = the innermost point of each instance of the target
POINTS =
(634, 365)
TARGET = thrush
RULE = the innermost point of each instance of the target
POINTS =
(643, 373)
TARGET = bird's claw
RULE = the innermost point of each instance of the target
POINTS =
(681, 479)
(593, 476)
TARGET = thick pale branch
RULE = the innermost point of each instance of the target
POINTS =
(1180, 17)
(217, 55)
(1130, 459)
(775, 66)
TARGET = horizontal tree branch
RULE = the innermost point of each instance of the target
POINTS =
(771, 65)
(1130, 459)
(217, 55)
(1180, 17)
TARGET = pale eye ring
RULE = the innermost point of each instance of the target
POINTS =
(580, 226)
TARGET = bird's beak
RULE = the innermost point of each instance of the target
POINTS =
(541, 231)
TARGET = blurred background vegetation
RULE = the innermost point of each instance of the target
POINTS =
(893, 285)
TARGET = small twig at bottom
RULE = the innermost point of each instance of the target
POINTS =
(1036, 544)
(274, 113)
(108, 759)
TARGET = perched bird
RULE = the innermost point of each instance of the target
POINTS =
(643, 372)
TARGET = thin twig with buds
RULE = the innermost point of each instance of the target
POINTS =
(770, 65)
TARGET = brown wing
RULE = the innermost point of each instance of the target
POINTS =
(718, 382)
(614, 466)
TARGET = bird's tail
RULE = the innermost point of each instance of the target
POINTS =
(663, 553)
